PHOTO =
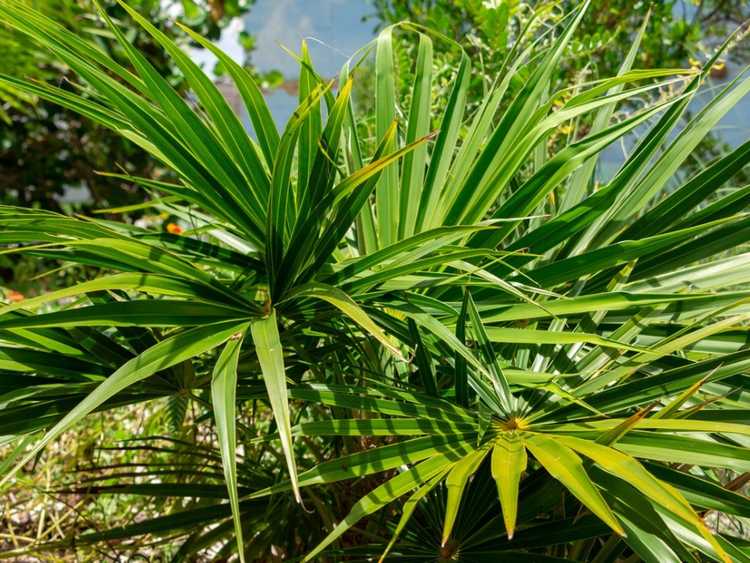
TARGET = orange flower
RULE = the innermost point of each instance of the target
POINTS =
(14, 296)
(174, 228)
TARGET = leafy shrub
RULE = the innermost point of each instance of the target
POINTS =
(543, 362)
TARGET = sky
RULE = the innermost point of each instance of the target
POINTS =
(333, 29)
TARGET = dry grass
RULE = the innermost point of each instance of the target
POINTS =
(33, 512)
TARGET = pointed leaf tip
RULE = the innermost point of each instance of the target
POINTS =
(265, 333)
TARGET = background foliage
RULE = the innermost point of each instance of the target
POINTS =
(49, 156)
(42, 137)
